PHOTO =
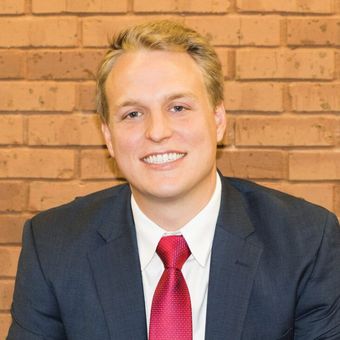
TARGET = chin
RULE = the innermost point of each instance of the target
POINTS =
(166, 193)
(161, 192)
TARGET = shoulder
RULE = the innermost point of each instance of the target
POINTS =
(277, 215)
(289, 230)
(84, 205)
(81, 215)
(264, 199)
(65, 234)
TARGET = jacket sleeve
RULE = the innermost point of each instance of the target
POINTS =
(318, 308)
(35, 311)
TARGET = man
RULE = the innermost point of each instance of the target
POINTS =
(254, 263)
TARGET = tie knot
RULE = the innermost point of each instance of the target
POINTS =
(173, 251)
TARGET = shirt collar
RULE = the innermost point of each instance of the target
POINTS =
(198, 232)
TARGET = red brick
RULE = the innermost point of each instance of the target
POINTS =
(5, 321)
(65, 130)
(9, 261)
(44, 195)
(337, 6)
(253, 96)
(337, 200)
(11, 228)
(98, 30)
(314, 165)
(13, 195)
(180, 6)
(87, 96)
(97, 6)
(12, 64)
(63, 64)
(259, 31)
(37, 32)
(225, 56)
(12, 6)
(50, 6)
(285, 131)
(293, 6)
(11, 129)
(285, 64)
(37, 163)
(252, 164)
(37, 96)
(309, 97)
(79, 6)
(222, 30)
(97, 164)
(313, 31)
(6, 294)
(238, 30)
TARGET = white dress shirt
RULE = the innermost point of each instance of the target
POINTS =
(198, 233)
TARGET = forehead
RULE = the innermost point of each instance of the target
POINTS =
(159, 58)
(161, 68)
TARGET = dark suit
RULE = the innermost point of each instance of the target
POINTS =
(275, 270)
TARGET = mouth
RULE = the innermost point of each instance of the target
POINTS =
(163, 158)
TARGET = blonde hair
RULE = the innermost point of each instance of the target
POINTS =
(162, 35)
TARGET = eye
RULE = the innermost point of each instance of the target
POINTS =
(133, 114)
(178, 108)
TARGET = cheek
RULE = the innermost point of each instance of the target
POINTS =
(201, 132)
(125, 142)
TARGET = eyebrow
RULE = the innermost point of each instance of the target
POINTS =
(133, 102)
(181, 95)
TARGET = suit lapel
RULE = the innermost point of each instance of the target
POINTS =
(234, 261)
(116, 270)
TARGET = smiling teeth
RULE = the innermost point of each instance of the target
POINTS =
(163, 158)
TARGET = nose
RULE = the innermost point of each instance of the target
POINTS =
(158, 127)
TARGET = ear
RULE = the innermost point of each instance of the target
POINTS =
(108, 138)
(221, 121)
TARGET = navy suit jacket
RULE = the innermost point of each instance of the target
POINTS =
(275, 270)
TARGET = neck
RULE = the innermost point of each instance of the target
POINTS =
(171, 214)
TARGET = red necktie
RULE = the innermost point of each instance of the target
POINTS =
(171, 308)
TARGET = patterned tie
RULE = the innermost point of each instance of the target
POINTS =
(171, 308)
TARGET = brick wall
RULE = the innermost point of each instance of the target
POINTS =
(281, 63)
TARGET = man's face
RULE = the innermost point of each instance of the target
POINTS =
(163, 130)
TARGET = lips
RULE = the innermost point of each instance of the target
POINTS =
(163, 158)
